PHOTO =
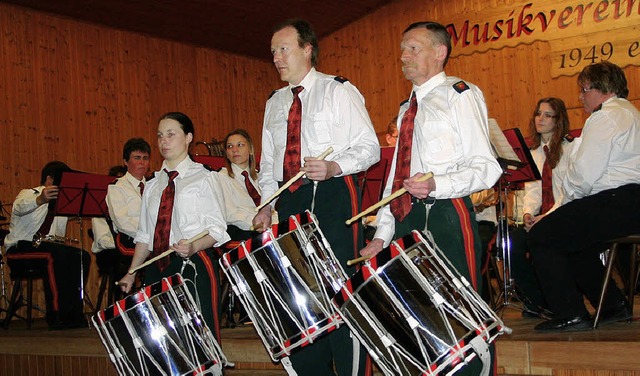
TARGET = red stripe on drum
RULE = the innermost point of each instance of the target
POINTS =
(366, 273)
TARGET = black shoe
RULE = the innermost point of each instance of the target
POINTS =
(620, 313)
(572, 324)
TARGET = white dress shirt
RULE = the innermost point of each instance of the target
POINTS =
(239, 205)
(102, 238)
(532, 200)
(333, 114)
(450, 139)
(609, 153)
(124, 202)
(27, 217)
(197, 206)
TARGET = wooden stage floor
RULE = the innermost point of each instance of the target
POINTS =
(612, 350)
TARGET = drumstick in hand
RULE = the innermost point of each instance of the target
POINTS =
(292, 180)
(166, 253)
(387, 199)
(357, 260)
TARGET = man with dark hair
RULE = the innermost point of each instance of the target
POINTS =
(108, 258)
(603, 173)
(316, 111)
(33, 217)
(124, 198)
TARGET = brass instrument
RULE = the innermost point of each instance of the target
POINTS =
(484, 199)
(215, 147)
(39, 238)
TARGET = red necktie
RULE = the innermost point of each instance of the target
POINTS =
(163, 225)
(292, 153)
(401, 206)
(255, 196)
(45, 227)
(141, 186)
(547, 184)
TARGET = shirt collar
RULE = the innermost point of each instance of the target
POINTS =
(424, 89)
(308, 80)
(182, 167)
(133, 181)
(237, 170)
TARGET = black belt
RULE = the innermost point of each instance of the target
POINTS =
(304, 181)
(427, 201)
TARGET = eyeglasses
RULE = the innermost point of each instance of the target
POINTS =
(585, 89)
(546, 115)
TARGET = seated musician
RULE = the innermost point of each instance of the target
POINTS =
(241, 190)
(124, 198)
(33, 218)
(602, 175)
(391, 137)
(549, 124)
(104, 247)
(181, 202)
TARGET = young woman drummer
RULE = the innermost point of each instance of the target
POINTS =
(197, 210)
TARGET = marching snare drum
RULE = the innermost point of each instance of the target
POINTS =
(159, 331)
(415, 314)
(285, 279)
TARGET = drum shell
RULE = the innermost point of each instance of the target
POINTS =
(164, 322)
(412, 312)
(285, 283)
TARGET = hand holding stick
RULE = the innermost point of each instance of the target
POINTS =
(292, 180)
(166, 253)
(357, 260)
(387, 199)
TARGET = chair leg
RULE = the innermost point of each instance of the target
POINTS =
(633, 276)
(29, 300)
(605, 283)
(13, 303)
(103, 285)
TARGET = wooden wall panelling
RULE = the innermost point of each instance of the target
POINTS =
(512, 79)
(76, 92)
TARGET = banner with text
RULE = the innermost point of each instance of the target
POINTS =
(579, 33)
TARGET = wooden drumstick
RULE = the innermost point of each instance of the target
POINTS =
(292, 180)
(167, 253)
(357, 260)
(387, 199)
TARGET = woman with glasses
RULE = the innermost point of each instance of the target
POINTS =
(549, 125)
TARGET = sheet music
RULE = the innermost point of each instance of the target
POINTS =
(499, 142)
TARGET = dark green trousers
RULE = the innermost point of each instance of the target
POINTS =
(206, 283)
(336, 200)
(452, 222)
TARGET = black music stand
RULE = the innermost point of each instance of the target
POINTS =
(518, 167)
(82, 195)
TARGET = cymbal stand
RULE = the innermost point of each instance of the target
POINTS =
(4, 300)
(84, 297)
(509, 296)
